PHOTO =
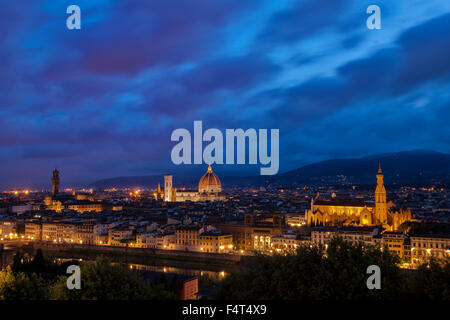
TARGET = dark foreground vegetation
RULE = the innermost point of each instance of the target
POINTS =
(338, 272)
(42, 279)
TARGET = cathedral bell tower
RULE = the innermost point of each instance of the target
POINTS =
(168, 191)
(55, 182)
(380, 198)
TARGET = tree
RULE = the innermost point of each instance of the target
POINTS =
(18, 260)
(432, 280)
(174, 286)
(314, 272)
(38, 264)
(163, 280)
(21, 286)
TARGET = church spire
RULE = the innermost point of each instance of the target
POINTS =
(209, 168)
(380, 198)
(55, 182)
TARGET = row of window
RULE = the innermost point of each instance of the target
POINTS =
(429, 245)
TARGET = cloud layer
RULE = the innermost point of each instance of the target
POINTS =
(103, 101)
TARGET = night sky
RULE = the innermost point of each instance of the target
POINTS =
(102, 101)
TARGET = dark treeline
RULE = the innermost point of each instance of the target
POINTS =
(338, 272)
(41, 279)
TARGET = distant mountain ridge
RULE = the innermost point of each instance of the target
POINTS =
(409, 167)
(406, 167)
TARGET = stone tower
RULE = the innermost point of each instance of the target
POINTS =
(55, 182)
(168, 188)
(380, 198)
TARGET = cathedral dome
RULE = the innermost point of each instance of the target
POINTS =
(209, 182)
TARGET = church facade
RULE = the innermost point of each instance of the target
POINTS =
(209, 189)
(336, 212)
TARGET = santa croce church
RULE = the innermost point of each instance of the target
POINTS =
(336, 212)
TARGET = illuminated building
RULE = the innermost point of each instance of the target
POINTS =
(159, 194)
(49, 232)
(6, 227)
(155, 240)
(62, 232)
(168, 188)
(86, 206)
(395, 241)
(119, 235)
(194, 238)
(357, 211)
(186, 288)
(209, 189)
(189, 288)
(55, 182)
(368, 235)
(66, 232)
(80, 203)
(295, 220)
(85, 233)
(188, 238)
(256, 232)
(33, 230)
(426, 246)
(287, 242)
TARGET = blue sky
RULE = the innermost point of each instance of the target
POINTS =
(102, 101)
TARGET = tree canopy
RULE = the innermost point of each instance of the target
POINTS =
(39, 278)
(337, 272)
(102, 280)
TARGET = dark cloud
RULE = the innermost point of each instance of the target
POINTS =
(234, 73)
(50, 152)
(153, 33)
(104, 100)
(305, 19)
(419, 56)
(425, 53)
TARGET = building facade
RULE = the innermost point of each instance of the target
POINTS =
(209, 189)
(216, 241)
(256, 232)
(369, 235)
(357, 211)
(188, 238)
(424, 247)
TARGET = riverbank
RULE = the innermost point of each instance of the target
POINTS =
(144, 256)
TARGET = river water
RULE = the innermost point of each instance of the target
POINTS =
(213, 272)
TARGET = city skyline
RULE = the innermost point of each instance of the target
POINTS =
(250, 155)
(411, 173)
(102, 101)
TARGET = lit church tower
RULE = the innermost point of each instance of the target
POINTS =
(168, 188)
(380, 198)
(55, 182)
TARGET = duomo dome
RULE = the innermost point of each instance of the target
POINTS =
(209, 183)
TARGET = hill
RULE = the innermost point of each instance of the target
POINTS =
(406, 167)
